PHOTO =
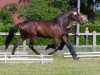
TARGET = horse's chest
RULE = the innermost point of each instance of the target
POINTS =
(57, 31)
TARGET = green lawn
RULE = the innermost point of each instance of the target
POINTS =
(60, 66)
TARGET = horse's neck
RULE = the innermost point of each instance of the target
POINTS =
(66, 25)
(64, 22)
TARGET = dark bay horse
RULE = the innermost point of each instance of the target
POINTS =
(62, 43)
(69, 28)
(54, 28)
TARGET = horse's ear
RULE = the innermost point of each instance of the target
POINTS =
(76, 9)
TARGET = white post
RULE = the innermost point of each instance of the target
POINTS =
(17, 53)
(24, 46)
(78, 5)
(78, 25)
(41, 58)
(94, 38)
(5, 58)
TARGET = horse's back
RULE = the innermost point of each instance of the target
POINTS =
(44, 28)
(39, 28)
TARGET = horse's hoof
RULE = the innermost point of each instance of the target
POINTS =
(50, 53)
(38, 53)
(59, 49)
(76, 58)
(12, 53)
(47, 47)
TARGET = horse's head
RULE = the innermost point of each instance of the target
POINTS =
(75, 16)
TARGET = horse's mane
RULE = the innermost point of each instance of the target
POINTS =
(65, 12)
(26, 21)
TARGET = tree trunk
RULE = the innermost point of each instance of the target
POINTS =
(90, 10)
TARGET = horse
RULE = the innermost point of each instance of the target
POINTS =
(53, 28)
(69, 29)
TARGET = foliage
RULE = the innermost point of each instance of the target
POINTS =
(97, 15)
(11, 7)
(60, 4)
(39, 10)
(97, 1)
(5, 16)
(83, 7)
(5, 27)
(45, 10)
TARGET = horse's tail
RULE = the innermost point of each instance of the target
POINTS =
(12, 31)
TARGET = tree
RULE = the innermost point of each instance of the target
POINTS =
(43, 9)
(83, 7)
(24, 1)
(90, 10)
(87, 7)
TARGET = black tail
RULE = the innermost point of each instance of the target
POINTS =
(12, 31)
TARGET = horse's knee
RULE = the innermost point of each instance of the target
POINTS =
(68, 44)
(30, 46)
(56, 47)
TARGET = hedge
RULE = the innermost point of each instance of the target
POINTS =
(44, 41)
(45, 12)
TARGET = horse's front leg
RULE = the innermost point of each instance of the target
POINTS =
(55, 39)
(61, 45)
(70, 47)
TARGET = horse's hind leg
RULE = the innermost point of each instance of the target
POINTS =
(55, 46)
(61, 45)
(32, 48)
(16, 45)
(50, 46)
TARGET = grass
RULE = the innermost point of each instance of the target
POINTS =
(60, 66)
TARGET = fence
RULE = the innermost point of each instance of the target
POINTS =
(6, 58)
(94, 34)
(24, 43)
(84, 54)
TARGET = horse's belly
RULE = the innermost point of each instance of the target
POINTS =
(44, 34)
